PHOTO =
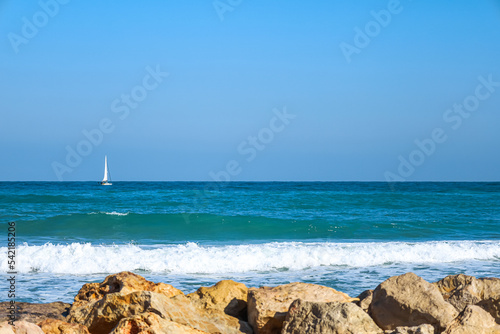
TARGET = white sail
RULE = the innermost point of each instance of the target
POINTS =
(107, 178)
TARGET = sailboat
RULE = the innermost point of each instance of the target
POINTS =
(106, 181)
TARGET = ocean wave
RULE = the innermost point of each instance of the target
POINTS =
(112, 213)
(192, 258)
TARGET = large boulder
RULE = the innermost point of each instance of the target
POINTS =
(462, 290)
(328, 318)
(103, 315)
(20, 327)
(227, 296)
(152, 323)
(35, 313)
(409, 300)
(54, 326)
(267, 307)
(123, 283)
(473, 320)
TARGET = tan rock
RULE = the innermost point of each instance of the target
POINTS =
(181, 310)
(491, 287)
(33, 312)
(20, 327)
(448, 285)
(151, 323)
(461, 290)
(328, 318)
(25, 327)
(5, 328)
(226, 296)
(409, 300)
(54, 326)
(365, 299)
(422, 329)
(123, 283)
(267, 307)
(103, 315)
(492, 306)
(473, 320)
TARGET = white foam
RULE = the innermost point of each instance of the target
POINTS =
(190, 258)
(113, 213)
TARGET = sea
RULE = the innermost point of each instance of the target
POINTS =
(350, 236)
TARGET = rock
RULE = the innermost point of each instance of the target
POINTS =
(5, 328)
(328, 318)
(181, 310)
(123, 283)
(151, 323)
(473, 320)
(461, 290)
(492, 306)
(491, 288)
(267, 307)
(365, 299)
(448, 285)
(409, 300)
(422, 329)
(227, 296)
(20, 327)
(103, 315)
(36, 312)
(53, 326)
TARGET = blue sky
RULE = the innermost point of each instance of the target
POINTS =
(231, 71)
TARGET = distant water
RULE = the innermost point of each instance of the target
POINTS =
(347, 235)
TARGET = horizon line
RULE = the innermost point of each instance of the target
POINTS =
(270, 181)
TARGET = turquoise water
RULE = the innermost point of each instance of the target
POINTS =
(349, 236)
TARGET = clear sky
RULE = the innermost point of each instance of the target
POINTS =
(256, 90)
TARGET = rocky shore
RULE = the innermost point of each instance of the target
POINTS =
(126, 303)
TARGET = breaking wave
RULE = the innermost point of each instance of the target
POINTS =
(192, 258)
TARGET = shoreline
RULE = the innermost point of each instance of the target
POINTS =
(401, 304)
